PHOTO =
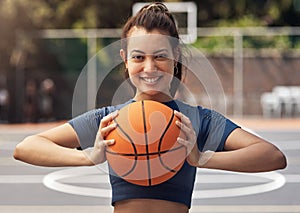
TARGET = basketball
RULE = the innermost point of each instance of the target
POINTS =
(145, 151)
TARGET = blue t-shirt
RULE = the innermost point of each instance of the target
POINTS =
(212, 130)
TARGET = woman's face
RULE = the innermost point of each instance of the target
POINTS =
(150, 64)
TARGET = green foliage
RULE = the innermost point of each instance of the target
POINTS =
(244, 21)
(71, 53)
(224, 44)
(271, 42)
(214, 44)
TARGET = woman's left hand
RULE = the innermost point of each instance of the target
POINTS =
(188, 139)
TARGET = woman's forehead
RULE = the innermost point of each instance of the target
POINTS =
(140, 39)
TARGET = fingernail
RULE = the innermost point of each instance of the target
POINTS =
(114, 113)
(111, 142)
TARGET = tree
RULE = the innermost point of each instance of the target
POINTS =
(17, 16)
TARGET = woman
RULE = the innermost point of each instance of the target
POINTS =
(154, 71)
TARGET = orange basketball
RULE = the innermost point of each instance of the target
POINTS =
(146, 151)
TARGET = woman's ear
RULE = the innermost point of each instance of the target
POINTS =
(176, 55)
(123, 56)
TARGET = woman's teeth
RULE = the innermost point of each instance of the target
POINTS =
(151, 80)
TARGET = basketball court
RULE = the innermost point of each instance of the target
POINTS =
(27, 188)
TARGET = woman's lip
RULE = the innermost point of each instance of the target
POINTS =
(151, 80)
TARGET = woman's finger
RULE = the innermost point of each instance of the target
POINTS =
(184, 119)
(104, 143)
(109, 142)
(106, 130)
(108, 119)
(184, 142)
(189, 145)
(188, 131)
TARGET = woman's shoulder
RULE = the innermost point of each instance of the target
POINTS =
(98, 113)
(112, 108)
(192, 108)
(187, 108)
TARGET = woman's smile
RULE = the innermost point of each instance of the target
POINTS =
(151, 80)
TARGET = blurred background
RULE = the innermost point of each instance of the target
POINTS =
(254, 46)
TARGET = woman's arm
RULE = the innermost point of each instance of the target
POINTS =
(54, 147)
(246, 152)
(57, 146)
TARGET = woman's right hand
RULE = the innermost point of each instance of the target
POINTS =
(96, 154)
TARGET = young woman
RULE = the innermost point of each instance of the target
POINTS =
(154, 71)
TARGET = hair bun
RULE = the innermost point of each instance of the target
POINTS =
(157, 6)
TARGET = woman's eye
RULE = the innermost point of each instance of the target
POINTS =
(161, 57)
(137, 57)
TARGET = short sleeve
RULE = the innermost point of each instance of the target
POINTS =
(86, 126)
(214, 130)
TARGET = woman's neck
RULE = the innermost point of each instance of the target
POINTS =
(158, 97)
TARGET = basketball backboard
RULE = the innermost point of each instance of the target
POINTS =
(188, 8)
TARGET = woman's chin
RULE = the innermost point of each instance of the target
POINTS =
(154, 95)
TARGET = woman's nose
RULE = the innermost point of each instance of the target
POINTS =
(149, 65)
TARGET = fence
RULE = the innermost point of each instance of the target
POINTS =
(237, 95)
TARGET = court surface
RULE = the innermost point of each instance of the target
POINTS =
(26, 188)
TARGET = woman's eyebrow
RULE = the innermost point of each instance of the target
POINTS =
(137, 51)
(155, 52)
(161, 50)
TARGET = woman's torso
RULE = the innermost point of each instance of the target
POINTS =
(149, 206)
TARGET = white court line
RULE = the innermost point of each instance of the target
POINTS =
(247, 208)
(53, 181)
(10, 161)
(284, 145)
(194, 209)
(12, 179)
(56, 209)
(277, 181)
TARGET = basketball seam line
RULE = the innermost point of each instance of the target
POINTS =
(144, 154)
(146, 142)
(134, 147)
(160, 142)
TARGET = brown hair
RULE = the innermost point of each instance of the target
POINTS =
(156, 16)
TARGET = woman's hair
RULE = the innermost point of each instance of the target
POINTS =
(156, 16)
